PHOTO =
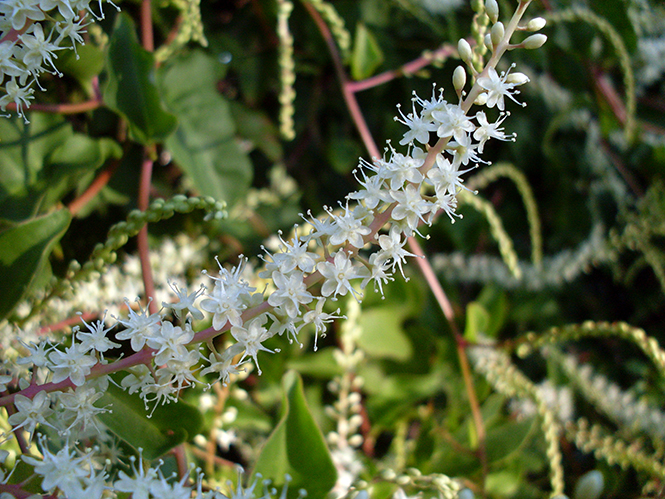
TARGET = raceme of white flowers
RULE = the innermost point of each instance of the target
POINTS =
(358, 246)
(29, 46)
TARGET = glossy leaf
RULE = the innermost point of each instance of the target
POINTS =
(477, 321)
(42, 161)
(169, 425)
(24, 250)
(367, 55)
(382, 333)
(297, 447)
(204, 145)
(130, 90)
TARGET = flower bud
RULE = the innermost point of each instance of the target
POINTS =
(589, 486)
(517, 78)
(536, 24)
(488, 42)
(464, 50)
(534, 41)
(459, 78)
(481, 100)
(492, 9)
(497, 33)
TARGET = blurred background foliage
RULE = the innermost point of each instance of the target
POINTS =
(590, 147)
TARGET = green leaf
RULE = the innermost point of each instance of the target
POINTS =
(24, 250)
(204, 145)
(89, 64)
(367, 55)
(256, 126)
(477, 321)
(169, 425)
(505, 439)
(297, 447)
(382, 333)
(41, 161)
(130, 90)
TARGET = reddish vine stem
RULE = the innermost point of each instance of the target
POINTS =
(93, 189)
(147, 40)
(408, 69)
(347, 93)
(64, 108)
(461, 343)
(142, 237)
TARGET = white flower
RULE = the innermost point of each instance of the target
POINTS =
(378, 272)
(497, 88)
(445, 177)
(410, 206)
(229, 297)
(37, 356)
(17, 94)
(19, 11)
(348, 228)
(251, 337)
(225, 305)
(452, 121)
(185, 301)
(401, 169)
(8, 65)
(140, 326)
(419, 127)
(62, 470)
(488, 130)
(38, 50)
(392, 247)
(138, 378)
(372, 192)
(178, 369)
(170, 342)
(95, 338)
(31, 412)
(338, 275)
(79, 406)
(223, 365)
(140, 484)
(319, 318)
(294, 255)
(291, 292)
(73, 363)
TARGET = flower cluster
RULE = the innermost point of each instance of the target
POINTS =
(361, 243)
(26, 51)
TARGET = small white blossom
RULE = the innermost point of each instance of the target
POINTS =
(186, 302)
(73, 363)
(291, 292)
(338, 275)
(31, 412)
(251, 337)
(170, 342)
(497, 88)
(140, 326)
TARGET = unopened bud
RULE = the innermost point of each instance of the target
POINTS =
(464, 50)
(536, 24)
(492, 9)
(497, 33)
(517, 78)
(488, 42)
(459, 78)
(481, 100)
(534, 41)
